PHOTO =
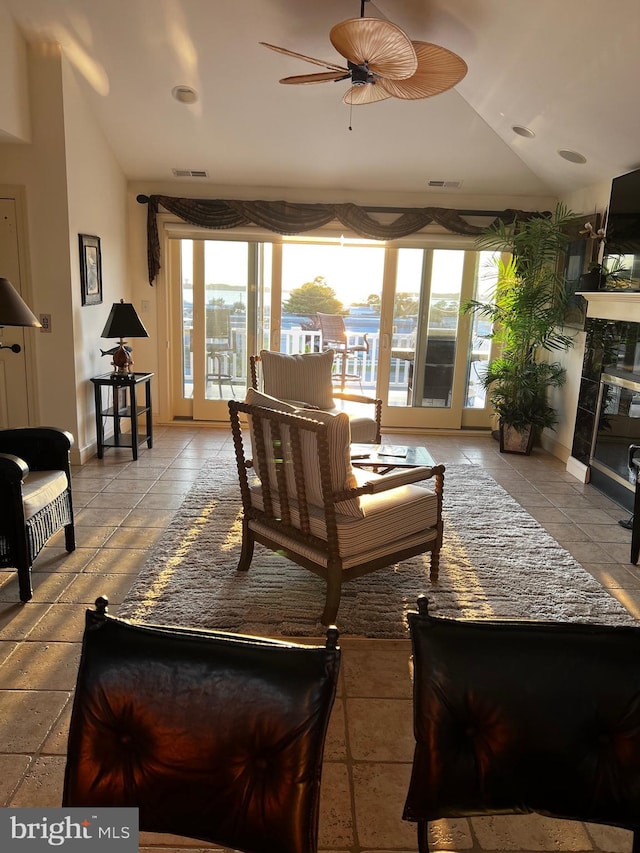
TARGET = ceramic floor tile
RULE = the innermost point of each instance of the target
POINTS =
(336, 823)
(121, 500)
(380, 729)
(42, 667)
(134, 537)
(379, 794)
(111, 515)
(336, 743)
(17, 620)
(450, 835)
(161, 501)
(117, 561)
(137, 486)
(582, 551)
(12, 770)
(86, 537)
(376, 672)
(613, 575)
(146, 518)
(86, 588)
(531, 833)
(610, 839)
(171, 487)
(58, 559)
(56, 741)
(62, 623)
(27, 717)
(47, 586)
(42, 785)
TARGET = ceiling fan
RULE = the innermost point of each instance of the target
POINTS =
(382, 62)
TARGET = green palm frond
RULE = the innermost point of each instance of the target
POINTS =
(526, 310)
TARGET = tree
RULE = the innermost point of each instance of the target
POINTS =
(374, 302)
(313, 296)
(405, 305)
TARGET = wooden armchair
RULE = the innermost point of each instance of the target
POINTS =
(306, 380)
(35, 496)
(301, 497)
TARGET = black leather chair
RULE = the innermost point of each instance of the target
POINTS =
(212, 736)
(522, 717)
(35, 496)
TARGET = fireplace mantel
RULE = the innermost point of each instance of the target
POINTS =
(608, 305)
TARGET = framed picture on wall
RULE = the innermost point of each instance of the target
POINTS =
(90, 269)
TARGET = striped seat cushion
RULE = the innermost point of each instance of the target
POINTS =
(390, 521)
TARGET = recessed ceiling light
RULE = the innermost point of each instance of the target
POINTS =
(184, 94)
(523, 131)
(572, 156)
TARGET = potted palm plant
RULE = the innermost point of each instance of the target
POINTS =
(526, 311)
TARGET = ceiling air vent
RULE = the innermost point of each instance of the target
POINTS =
(190, 173)
(448, 185)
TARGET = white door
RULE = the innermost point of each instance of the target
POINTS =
(14, 407)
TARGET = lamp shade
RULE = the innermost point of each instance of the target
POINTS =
(123, 322)
(14, 311)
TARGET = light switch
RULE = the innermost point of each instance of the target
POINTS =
(45, 319)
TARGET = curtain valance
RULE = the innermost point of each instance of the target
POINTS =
(285, 217)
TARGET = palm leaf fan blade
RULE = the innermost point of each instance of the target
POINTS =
(439, 69)
(311, 59)
(385, 49)
(320, 77)
(368, 94)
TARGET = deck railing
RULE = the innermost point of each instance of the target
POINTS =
(363, 365)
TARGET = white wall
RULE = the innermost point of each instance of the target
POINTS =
(72, 185)
(96, 190)
(15, 125)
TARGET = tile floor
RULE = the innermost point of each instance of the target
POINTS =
(122, 508)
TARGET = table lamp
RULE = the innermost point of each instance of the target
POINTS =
(123, 322)
(14, 311)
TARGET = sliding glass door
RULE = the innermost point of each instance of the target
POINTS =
(436, 354)
(399, 309)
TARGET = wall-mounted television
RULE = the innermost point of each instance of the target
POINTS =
(622, 247)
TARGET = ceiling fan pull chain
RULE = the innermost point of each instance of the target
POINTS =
(350, 114)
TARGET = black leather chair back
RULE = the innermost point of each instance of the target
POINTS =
(213, 736)
(522, 717)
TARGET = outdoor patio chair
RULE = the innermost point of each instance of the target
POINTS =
(518, 717)
(220, 350)
(35, 496)
(334, 336)
(305, 380)
(212, 736)
(302, 498)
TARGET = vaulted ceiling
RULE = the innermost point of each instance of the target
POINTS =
(567, 70)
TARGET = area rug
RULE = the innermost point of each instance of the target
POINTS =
(497, 561)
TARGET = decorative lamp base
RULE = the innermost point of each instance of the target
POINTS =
(122, 360)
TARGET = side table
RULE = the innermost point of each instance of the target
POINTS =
(122, 402)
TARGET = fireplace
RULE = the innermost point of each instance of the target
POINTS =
(608, 417)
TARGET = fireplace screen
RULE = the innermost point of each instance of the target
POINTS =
(618, 428)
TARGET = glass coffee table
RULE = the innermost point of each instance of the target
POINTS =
(383, 458)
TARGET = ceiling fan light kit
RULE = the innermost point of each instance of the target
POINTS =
(382, 62)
